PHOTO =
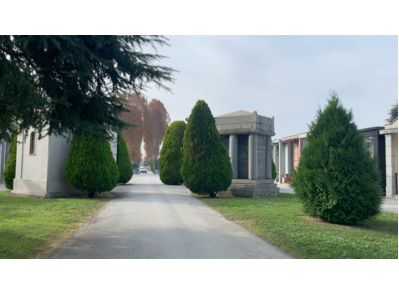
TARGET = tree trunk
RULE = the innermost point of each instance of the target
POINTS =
(212, 195)
(91, 193)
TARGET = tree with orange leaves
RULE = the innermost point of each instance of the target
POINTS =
(137, 107)
(156, 122)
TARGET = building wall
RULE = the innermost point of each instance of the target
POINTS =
(262, 156)
(114, 145)
(296, 151)
(396, 151)
(42, 174)
(31, 169)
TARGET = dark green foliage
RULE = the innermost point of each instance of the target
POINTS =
(393, 112)
(123, 162)
(71, 84)
(9, 169)
(91, 167)
(337, 180)
(206, 167)
(170, 158)
(274, 172)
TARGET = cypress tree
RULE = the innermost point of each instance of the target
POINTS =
(9, 169)
(274, 172)
(170, 158)
(206, 167)
(91, 167)
(123, 162)
(337, 179)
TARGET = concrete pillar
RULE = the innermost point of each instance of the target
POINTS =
(233, 153)
(390, 165)
(300, 145)
(290, 156)
(281, 165)
(20, 156)
(268, 162)
(252, 156)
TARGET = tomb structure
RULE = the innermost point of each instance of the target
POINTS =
(247, 138)
(40, 165)
(390, 132)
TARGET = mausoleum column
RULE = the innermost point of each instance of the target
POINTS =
(390, 165)
(280, 161)
(300, 149)
(268, 157)
(290, 159)
(233, 153)
(253, 156)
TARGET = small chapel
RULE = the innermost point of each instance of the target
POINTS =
(40, 165)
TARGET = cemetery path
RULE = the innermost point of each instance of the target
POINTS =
(148, 219)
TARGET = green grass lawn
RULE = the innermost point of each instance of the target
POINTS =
(281, 221)
(33, 228)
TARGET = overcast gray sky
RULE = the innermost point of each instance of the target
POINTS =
(282, 76)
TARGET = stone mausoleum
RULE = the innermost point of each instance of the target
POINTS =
(247, 138)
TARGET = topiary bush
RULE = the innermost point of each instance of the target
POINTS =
(206, 167)
(274, 172)
(9, 169)
(337, 180)
(123, 162)
(170, 158)
(91, 167)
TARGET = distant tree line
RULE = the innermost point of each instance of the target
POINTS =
(150, 121)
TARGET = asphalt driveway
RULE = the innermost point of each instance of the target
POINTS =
(148, 219)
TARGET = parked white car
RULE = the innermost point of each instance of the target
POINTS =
(142, 170)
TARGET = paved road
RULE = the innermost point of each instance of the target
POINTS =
(3, 187)
(388, 204)
(150, 220)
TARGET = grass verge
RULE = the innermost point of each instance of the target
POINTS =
(281, 221)
(33, 228)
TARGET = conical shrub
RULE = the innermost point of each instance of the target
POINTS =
(9, 169)
(91, 167)
(206, 167)
(123, 162)
(274, 171)
(170, 158)
(337, 179)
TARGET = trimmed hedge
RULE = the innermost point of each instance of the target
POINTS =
(91, 167)
(9, 169)
(170, 158)
(337, 180)
(206, 167)
(123, 162)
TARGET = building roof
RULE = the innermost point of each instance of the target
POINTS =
(371, 128)
(238, 113)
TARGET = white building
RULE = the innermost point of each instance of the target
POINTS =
(391, 154)
(40, 166)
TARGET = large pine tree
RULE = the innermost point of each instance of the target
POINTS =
(72, 84)
(206, 167)
(170, 158)
(337, 179)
